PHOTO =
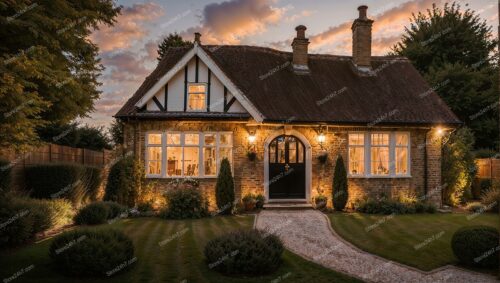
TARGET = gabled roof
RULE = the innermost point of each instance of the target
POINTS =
(333, 92)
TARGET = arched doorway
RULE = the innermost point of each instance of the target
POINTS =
(286, 168)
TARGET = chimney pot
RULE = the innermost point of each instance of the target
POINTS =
(197, 37)
(363, 12)
(301, 31)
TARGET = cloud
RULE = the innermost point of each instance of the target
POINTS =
(231, 21)
(303, 14)
(387, 30)
(128, 28)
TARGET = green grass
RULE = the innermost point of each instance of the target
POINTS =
(178, 260)
(403, 237)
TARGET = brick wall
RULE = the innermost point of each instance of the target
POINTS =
(249, 175)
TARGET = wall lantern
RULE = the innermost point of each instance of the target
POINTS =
(321, 137)
(251, 138)
(439, 131)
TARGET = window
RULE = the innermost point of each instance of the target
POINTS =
(357, 154)
(188, 154)
(379, 154)
(197, 97)
(154, 154)
(402, 144)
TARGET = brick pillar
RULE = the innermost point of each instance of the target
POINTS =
(434, 186)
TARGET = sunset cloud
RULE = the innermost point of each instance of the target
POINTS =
(228, 22)
(128, 28)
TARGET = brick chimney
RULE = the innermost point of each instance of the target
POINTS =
(299, 46)
(362, 39)
(197, 37)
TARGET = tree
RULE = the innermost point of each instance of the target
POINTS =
(224, 189)
(48, 65)
(75, 135)
(172, 40)
(458, 168)
(454, 50)
(340, 189)
(116, 132)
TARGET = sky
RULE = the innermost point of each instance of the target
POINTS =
(128, 49)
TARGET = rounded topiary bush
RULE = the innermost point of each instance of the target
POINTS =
(476, 246)
(185, 203)
(99, 212)
(94, 213)
(92, 252)
(249, 253)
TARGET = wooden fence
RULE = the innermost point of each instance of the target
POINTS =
(53, 153)
(488, 168)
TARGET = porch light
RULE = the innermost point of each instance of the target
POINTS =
(439, 131)
(251, 138)
(321, 138)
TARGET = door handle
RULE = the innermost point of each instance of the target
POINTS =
(287, 167)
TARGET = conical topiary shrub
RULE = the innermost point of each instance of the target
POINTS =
(339, 185)
(224, 189)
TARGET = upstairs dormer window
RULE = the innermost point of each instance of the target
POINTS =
(197, 97)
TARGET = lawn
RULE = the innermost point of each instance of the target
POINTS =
(421, 240)
(180, 259)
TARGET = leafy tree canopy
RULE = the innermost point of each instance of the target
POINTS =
(75, 135)
(455, 52)
(172, 40)
(48, 65)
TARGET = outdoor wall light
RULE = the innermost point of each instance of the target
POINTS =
(439, 131)
(251, 137)
(321, 138)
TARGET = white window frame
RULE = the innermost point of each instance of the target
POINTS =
(189, 94)
(392, 155)
(201, 145)
(357, 146)
(163, 153)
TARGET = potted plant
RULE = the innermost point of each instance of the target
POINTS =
(249, 202)
(259, 201)
(252, 155)
(320, 202)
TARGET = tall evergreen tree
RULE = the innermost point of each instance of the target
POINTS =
(340, 189)
(172, 40)
(48, 65)
(224, 188)
(454, 50)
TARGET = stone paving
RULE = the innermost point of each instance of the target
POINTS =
(309, 234)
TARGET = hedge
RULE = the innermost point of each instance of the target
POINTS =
(122, 184)
(77, 183)
(185, 203)
(99, 213)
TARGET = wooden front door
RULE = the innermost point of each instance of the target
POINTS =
(287, 168)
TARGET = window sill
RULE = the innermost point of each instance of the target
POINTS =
(179, 177)
(379, 177)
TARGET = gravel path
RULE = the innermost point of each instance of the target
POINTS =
(309, 234)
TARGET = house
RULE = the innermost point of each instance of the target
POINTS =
(203, 103)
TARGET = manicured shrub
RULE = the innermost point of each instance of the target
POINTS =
(115, 210)
(385, 206)
(250, 253)
(122, 184)
(47, 214)
(224, 189)
(476, 246)
(185, 203)
(340, 191)
(491, 197)
(16, 224)
(5, 169)
(77, 183)
(92, 214)
(89, 252)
